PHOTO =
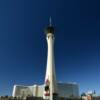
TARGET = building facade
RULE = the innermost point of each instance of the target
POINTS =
(64, 90)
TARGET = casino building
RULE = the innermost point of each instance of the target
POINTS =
(64, 90)
(51, 88)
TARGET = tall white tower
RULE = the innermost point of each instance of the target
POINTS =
(50, 86)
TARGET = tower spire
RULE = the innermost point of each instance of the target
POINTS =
(50, 21)
(50, 28)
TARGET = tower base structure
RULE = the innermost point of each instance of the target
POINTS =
(53, 97)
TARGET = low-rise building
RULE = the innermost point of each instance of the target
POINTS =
(64, 90)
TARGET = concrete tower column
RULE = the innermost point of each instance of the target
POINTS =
(50, 86)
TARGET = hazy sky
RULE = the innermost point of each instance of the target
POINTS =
(23, 47)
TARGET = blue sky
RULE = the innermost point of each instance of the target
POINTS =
(23, 47)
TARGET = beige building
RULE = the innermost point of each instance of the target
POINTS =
(64, 90)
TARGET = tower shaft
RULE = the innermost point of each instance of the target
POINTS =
(50, 78)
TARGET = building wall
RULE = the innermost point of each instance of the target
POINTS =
(22, 91)
(40, 90)
(64, 90)
(68, 90)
